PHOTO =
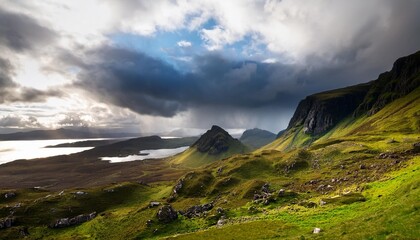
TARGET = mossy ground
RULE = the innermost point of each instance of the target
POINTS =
(366, 196)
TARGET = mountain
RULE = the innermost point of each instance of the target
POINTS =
(213, 145)
(351, 169)
(256, 138)
(61, 133)
(319, 114)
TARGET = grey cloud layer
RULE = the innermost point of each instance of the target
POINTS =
(349, 52)
(19, 33)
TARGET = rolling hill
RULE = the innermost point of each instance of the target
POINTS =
(347, 167)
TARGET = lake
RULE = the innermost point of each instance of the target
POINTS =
(151, 154)
(28, 149)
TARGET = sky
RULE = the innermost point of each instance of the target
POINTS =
(155, 66)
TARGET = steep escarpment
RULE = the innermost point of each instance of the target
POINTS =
(320, 112)
(403, 78)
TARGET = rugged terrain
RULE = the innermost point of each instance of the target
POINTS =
(349, 172)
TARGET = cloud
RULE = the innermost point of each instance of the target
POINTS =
(184, 43)
(254, 58)
(14, 121)
(270, 60)
(20, 32)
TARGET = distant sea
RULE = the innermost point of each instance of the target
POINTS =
(28, 149)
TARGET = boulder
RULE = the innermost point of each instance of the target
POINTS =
(197, 210)
(67, 222)
(281, 193)
(9, 195)
(317, 230)
(167, 214)
(154, 204)
(178, 186)
(6, 222)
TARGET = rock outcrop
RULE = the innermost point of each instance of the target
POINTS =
(320, 112)
(6, 222)
(197, 210)
(215, 141)
(67, 222)
(167, 214)
(401, 80)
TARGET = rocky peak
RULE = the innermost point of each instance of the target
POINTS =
(214, 141)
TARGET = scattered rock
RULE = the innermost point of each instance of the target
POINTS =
(154, 204)
(322, 203)
(197, 210)
(220, 210)
(317, 230)
(9, 195)
(24, 231)
(387, 155)
(265, 188)
(149, 223)
(67, 222)
(80, 193)
(178, 186)
(6, 222)
(281, 193)
(362, 166)
(221, 221)
(167, 214)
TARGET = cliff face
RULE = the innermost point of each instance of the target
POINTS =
(320, 112)
(403, 78)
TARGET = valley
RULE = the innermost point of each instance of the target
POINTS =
(347, 167)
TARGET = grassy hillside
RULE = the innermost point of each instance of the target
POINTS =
(358, 180)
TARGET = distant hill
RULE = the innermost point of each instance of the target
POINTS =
(133, 146)
(256, 138)
(213, 145)
(61, 133)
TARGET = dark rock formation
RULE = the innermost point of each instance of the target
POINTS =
(197, 210)
(167, 214)
(9, 195)
(6, 222)
(215, 141)
(401, 80)
(257, 138)
(320, 112)
(67, 222)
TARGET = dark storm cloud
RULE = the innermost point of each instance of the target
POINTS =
(150, 86)
(20, 32)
